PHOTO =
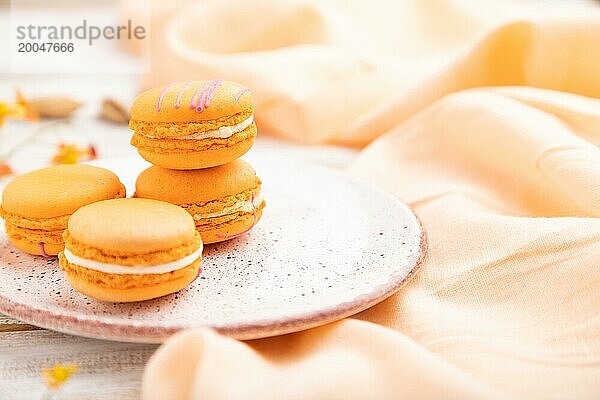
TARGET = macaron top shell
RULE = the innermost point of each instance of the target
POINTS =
(196, 186)
(132, 226)
(59, 190)
(193, 101)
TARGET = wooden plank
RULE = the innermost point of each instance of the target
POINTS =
(107, 370)
(8, 324)
(6, 320)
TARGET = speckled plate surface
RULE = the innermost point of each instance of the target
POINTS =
(327, 247)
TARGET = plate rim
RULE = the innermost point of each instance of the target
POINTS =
(99, 327)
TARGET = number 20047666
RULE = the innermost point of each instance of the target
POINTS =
(45, 47)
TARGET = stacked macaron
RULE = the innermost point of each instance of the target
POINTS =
(194, 124)
(194, 133)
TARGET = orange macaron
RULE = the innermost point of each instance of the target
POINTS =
(193, 124)
(225, 201)
(127, 250)
(37, 205)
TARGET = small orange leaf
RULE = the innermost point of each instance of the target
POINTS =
(28, 111)
(10, 110)
(58, 374)
(72, 154)
(5, 169)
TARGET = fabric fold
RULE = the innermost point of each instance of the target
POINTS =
(380, 362)
(482, 116)
(321, 78)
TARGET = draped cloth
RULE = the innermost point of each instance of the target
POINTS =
(482, 116)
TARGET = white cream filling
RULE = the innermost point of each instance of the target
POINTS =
(134, 269)
(240, 206)
(222, 133)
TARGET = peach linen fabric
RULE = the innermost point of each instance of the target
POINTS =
(480, 116)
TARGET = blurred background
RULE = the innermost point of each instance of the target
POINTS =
(81, 105)
(321, 72)
(75, 96)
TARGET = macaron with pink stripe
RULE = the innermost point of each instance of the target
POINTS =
(193, 124)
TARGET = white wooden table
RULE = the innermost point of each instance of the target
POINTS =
(107, 370)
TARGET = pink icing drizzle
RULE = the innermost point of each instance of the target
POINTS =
(207, 96)
(42, 249)
(162, 95)
(247, 230)
(206, 92)
(200, 105)
(240, 93)
(200, 90)
(213, 91)
(198, 274)
(183, 87)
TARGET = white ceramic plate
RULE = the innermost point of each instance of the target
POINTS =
(327, 246)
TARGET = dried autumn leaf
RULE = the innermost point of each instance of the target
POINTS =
(28, 112)
(67, 153)
(54, 107)
(10, 110)
(113, 111)
(58, 374)
(5, 169)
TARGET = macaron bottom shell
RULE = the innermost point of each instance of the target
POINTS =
(197, 160)
(39, 236)
(185, 154)
(243, 222)
(127, 288)
(34, 246)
